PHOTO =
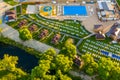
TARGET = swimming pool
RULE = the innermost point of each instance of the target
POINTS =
(74, 10)
(47, 8)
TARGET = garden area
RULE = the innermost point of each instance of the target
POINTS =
(100, 48)
(49, 31)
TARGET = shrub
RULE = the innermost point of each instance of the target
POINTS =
(25, 34)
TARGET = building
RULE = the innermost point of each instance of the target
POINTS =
(10, 15)
(114, 32)
(98, 28)
(56, 38)
(33, 28)
(100, 36)
(107, 11)
(43, 34)
(78, 62)
(22, 23)
(31, 9)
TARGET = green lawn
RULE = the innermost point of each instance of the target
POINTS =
(11, 2)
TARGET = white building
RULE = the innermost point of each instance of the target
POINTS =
(107, 11)
(31, 9)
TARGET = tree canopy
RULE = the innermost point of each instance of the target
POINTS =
(50, 64)
(49, 54)
(41, 70)
(63, 63)
(8, 69)
(108, 70)
(69, 49)
(104, 67)
(25, 34)
(90, 66)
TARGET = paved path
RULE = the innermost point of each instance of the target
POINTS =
(89, 36)
(14, 35)
(79, 42)
(83, 77)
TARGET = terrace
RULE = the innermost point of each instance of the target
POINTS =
(100, 48)
(88, 21)
(67, 28)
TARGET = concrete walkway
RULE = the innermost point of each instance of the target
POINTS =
(13, 34)
(82, 75)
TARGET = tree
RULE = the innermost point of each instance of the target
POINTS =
(65, 77)
(63, 63)
(25, 34)
(9, 69)
(49, 77)
(115, 73)
(49, 54)
(69, 49)
(90, 71)
(8, 62)
(105, 66)
(90, 66)
(60, 76)
(0, 31)
(41, 70)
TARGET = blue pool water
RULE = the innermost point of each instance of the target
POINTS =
(74, 10)
(47, 8)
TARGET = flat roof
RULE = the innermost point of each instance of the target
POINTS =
(105, 5)
(31, 9)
